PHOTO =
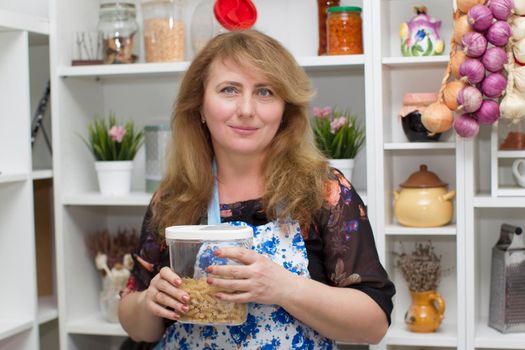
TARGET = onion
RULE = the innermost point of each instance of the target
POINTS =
(494, 59)
(466, 125)
(470, 99)
(461, 27)
(488, 113)
(437, 118)
(519, 7)
(456, 60)
(499, 33)
(519, 50)
(493, 85)
(450, 94)
(474, 44)
(512, 107)
(473, 70)
(465, 5)
(518, 27)
(480, 17)
(501, 9)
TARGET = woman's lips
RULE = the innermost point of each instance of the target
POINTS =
(244, 130)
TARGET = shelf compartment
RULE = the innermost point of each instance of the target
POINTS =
(42, 174)
(487, 337)
(445, 336)
(97, 199)
(10, 21)
(392, 146)
(437, 61)
(487, 201)
(449, 230)
(9, 328)
(47, 309)
(95, 325)
(12, 177)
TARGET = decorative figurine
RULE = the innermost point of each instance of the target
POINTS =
(420, 36)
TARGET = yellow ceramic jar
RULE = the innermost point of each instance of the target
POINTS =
(423, 201)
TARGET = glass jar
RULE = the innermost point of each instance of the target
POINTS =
(322, 7)
(344, 30)
(118, 25)
(204, 25)
(163, 30)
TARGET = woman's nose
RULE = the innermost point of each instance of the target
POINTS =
(246, 106)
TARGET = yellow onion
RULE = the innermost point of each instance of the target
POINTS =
(461, 27)
(450, 93)
(456, 61)
(437, 118)
(465, 5)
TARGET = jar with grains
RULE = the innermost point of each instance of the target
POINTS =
(118, 25)
(163, 30)
(322, 6)
(344, 30)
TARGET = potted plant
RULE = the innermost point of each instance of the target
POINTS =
(114, 147)
(421, 268)
(339, 136)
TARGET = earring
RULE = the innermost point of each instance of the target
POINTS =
(203, 121)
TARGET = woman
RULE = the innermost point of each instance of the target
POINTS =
(314, 276)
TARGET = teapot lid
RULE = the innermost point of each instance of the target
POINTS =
(422, 179)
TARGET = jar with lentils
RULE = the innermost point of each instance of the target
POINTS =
(344, 30)
(163, 30)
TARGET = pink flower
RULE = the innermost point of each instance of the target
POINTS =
(337, 124)
(117, 133)
(322, 112)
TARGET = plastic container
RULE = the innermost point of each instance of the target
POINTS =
(163, 30)
(204, 25)
(344, 30)
(191, 250)
(156, 141)
(118, 25)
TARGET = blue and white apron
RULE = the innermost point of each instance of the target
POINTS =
(267, 326)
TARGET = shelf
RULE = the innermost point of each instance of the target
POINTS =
(47, 309)
(12, 177)
(487, 201)
(95, 198)
(436, 61)
(10, 21)
(487, 337)
(511, 154)
(449, 230)
(161, 69)
(42, 174)
(445, 336)
(511, 192)
(419, 145)
(9, 328)
(95, 325)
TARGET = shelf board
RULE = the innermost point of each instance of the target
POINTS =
(419, 145)
(154, 69)
(487, 201)
(12, 177)
(487, 337)
(9, 327)
(42, 174)
(508, 191)
(445, 336)
(95, 325)
(511, 154)
(95, 198)
(47, 309)
(10, 21)
(437, 61)
(449, 230)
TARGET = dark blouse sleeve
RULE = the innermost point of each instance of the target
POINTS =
(350, 254)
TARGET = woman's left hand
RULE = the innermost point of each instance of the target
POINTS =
(259, 280)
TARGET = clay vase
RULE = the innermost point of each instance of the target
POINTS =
(426, 312)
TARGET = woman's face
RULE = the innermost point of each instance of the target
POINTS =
(241, 109)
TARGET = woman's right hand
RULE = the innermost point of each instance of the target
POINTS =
(164, 298)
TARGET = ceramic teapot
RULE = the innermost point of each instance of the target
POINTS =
(420, 36)
(423, 200)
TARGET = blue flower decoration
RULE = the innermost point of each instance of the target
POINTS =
(420, 35)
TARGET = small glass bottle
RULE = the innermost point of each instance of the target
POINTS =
(344, 30)
(118, 25)
(164, 30)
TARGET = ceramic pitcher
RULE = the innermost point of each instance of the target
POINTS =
(426, 312)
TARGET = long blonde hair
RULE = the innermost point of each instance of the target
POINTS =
(294, 170)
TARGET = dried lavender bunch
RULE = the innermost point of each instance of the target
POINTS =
(421, 268)
(113, 246)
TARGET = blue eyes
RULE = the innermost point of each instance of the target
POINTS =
(262, 92)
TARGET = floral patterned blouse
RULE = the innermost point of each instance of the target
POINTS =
(339, 243)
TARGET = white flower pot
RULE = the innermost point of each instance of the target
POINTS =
(114, 177)
(346, 166)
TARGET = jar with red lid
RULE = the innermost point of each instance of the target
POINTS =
(344, 29)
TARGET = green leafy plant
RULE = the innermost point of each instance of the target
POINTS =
(337, 133)
(109, 141)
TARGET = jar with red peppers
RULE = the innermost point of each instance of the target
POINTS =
(322, 6)
(344, 30)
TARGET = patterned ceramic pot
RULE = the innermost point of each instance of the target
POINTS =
(420, 36)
